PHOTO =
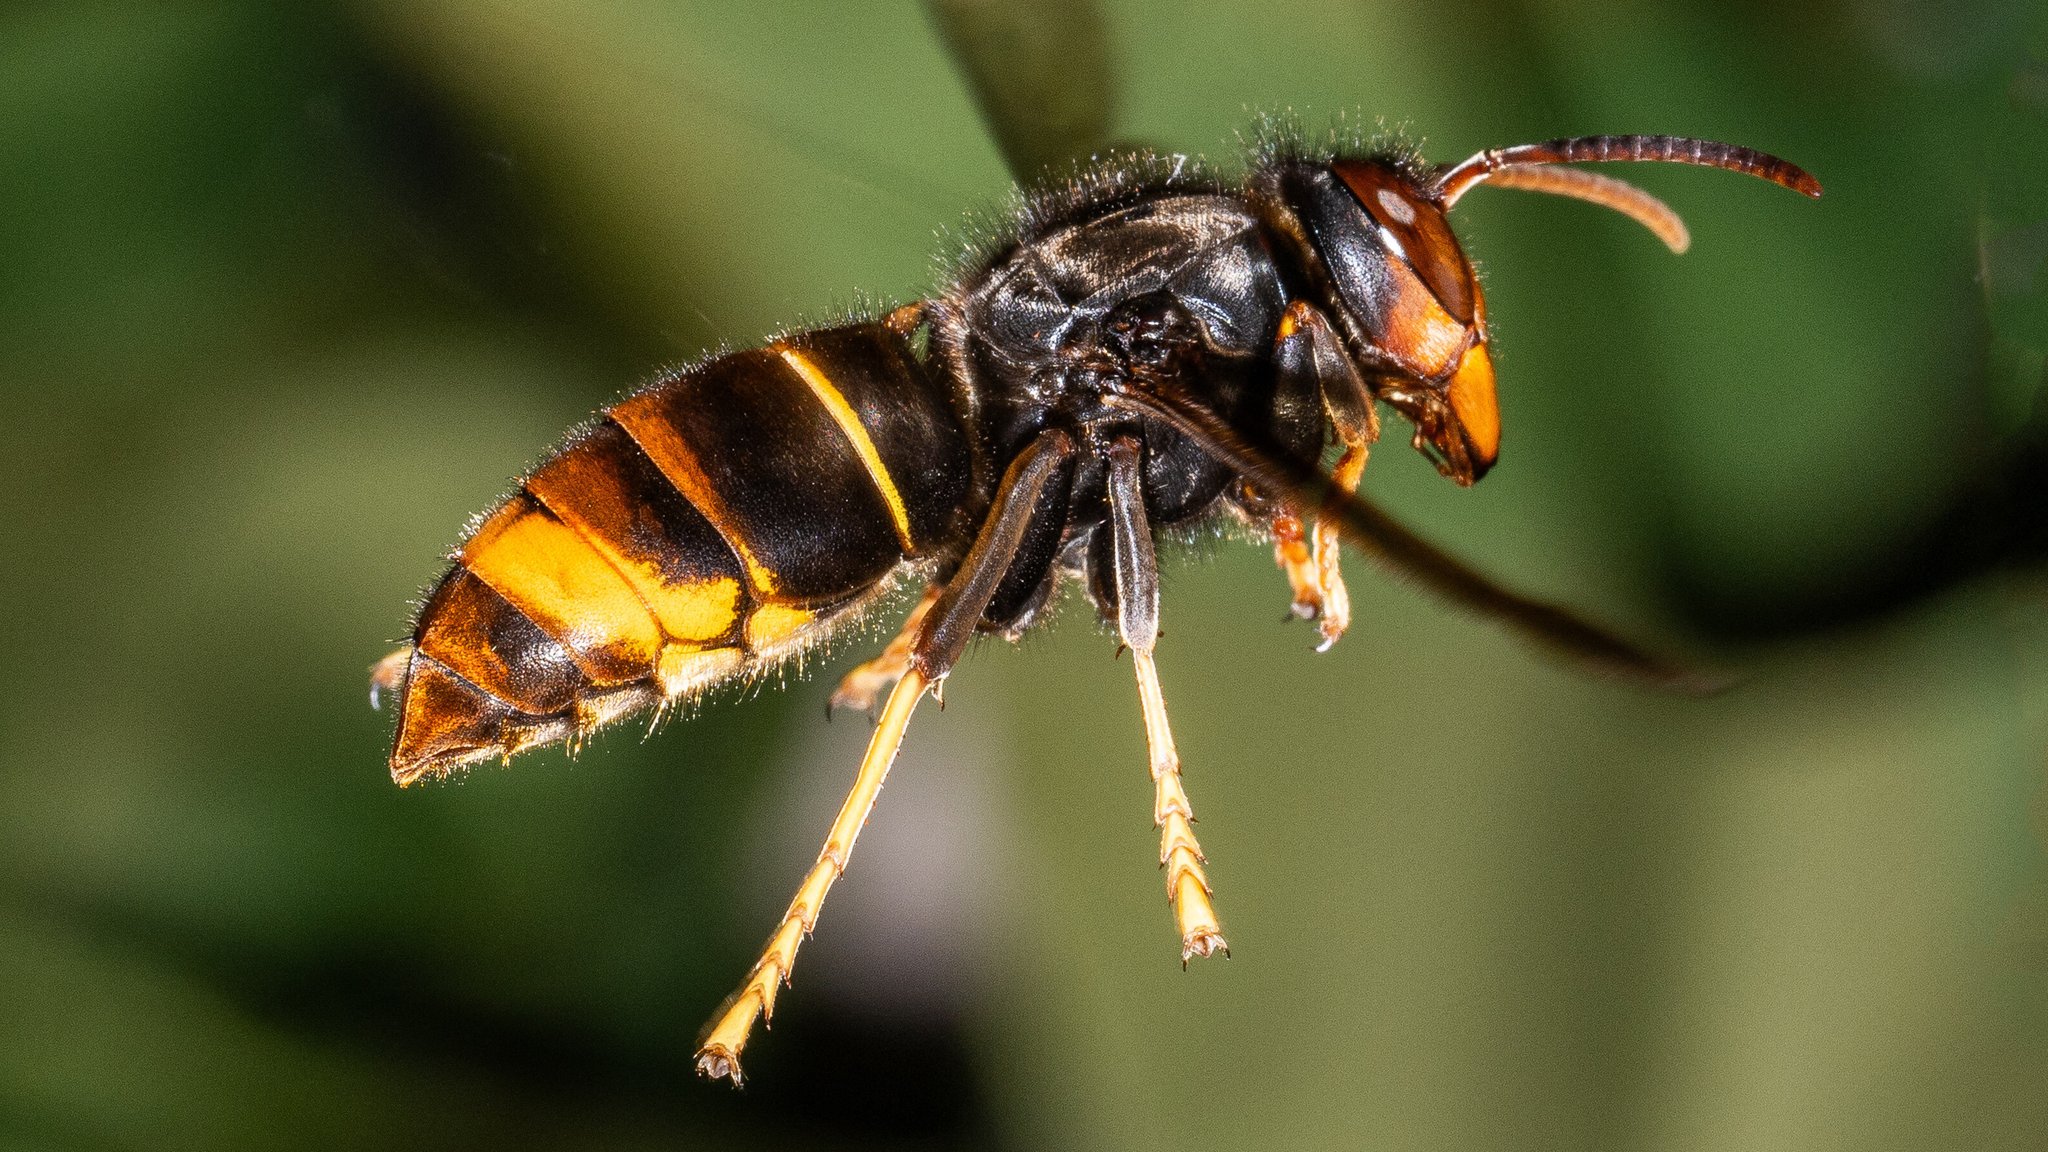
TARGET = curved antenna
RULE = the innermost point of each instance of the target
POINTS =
(1668, 149)
(1606, 191)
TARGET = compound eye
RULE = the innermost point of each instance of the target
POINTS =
(1418, 232)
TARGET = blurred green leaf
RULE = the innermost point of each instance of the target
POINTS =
(2012, 239)
(1042, 72)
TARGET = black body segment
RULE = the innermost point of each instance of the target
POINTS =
(909, 420)
(1176, 282)
(793, 496)
(1043, 321)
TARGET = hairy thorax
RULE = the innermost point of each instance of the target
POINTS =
(1071, 312)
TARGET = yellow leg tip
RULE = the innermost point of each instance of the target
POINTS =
(718, 1056)
(716, 1062)
(1202, 942)
(718, 1049)
(1201, 933)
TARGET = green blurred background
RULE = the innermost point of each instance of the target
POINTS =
(287, 291)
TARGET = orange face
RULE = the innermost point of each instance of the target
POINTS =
(1422, 310)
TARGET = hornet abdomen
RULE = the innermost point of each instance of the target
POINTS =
(699, 530)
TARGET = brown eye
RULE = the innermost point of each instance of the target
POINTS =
(1418, 228)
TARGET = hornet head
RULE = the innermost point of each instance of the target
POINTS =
(1378, 245)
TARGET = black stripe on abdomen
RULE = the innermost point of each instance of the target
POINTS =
(770, 468)
(907, 418)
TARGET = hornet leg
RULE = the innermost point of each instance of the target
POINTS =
(863, 686)
(1306, 344)
(1137, 587)
(718, 1054)
(942, 635)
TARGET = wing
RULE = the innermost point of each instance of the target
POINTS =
(1394, 547)
(1040, 73)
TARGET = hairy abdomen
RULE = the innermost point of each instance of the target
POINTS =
(701, 529)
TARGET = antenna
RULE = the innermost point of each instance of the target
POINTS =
(1576, 149)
